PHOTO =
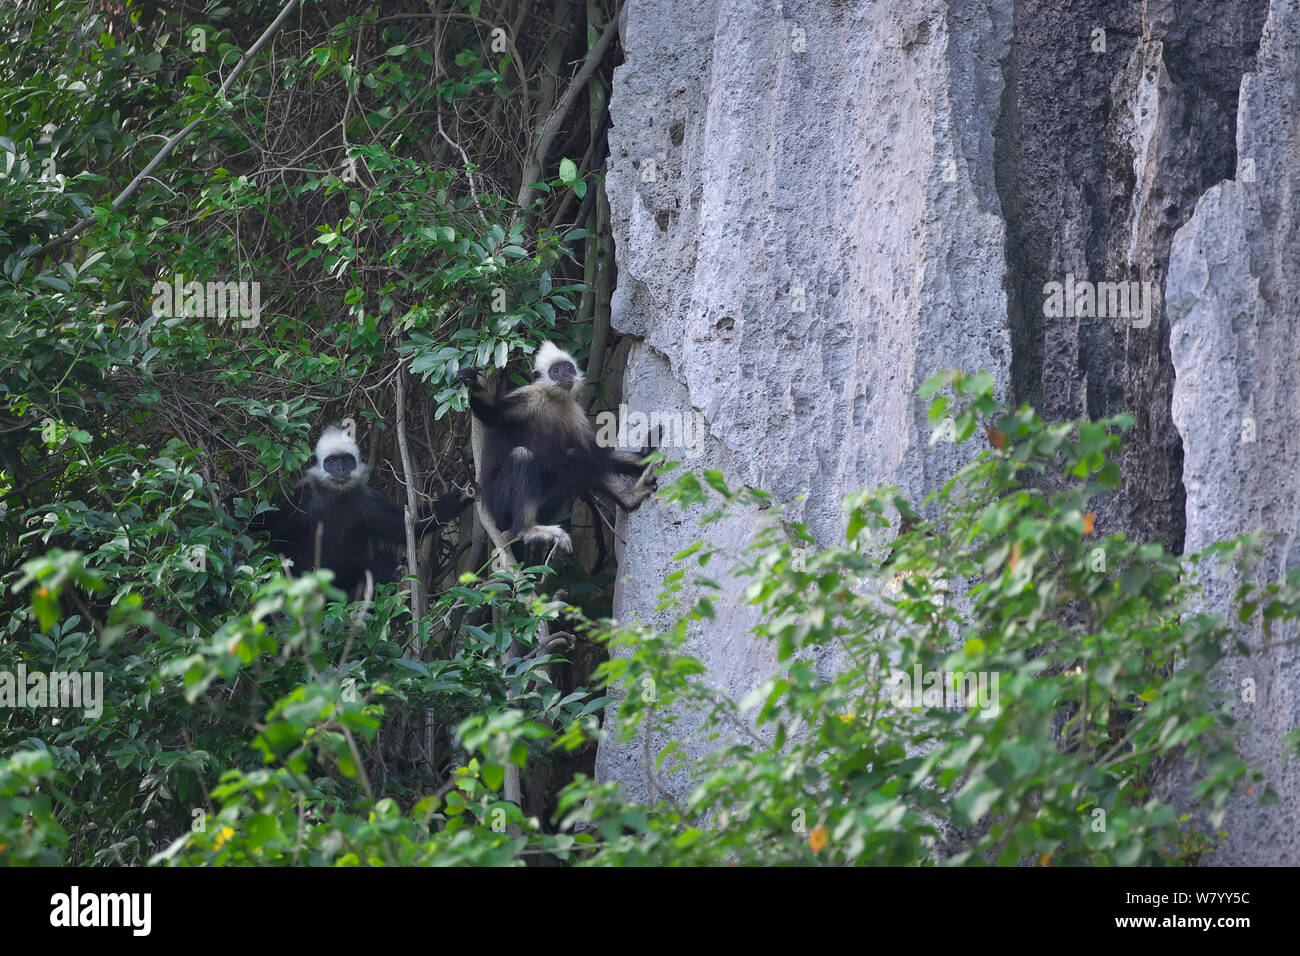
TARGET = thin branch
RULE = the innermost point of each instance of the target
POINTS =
(469, 170)
(533, 168)
(412, 508)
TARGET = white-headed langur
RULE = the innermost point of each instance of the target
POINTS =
(333, 511)
(540, 452)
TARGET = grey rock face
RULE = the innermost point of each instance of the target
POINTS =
(912, 175)
(807, 228)
(1233, 306)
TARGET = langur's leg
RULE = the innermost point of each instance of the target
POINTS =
(629, 498)
(521, 484)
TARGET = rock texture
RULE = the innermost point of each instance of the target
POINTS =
(807, 228)
(912, 174)
(1233, 304)
(1117, 116)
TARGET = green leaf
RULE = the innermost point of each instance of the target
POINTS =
(717, 482)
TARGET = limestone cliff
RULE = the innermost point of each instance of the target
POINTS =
(818, 204)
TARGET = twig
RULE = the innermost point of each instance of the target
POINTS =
(603, 291)
(536, 159)
(469, 170)
(358, 762)
(418, 608)
(412, 508)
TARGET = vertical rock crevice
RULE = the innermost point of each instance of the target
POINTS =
(1233, 302)
(1116, 115)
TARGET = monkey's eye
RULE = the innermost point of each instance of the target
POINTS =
(536, 376)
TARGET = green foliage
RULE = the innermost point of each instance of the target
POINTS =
(139, 435)
(29, 833)
(1089, 665)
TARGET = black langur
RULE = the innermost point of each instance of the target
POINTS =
(335, 505)
(540, 452)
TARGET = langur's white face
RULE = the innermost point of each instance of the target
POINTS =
(337, 462)
(556, 368)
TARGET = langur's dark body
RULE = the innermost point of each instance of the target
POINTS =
(357, 525)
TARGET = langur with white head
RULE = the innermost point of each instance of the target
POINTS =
(540, 452)
(333, 513)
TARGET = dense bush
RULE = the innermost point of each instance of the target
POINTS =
(137, 437)
(1097, 668)
(1100, 662)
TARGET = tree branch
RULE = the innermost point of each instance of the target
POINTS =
(537, 159)
(412, 507)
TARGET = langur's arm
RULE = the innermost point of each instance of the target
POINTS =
(286, 520)
(481, 401)
(628, 462)
(490, 410)
(449, 506)
(387, 521)
(383, 519)
(444, 510)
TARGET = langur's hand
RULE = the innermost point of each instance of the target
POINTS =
(470, 377)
